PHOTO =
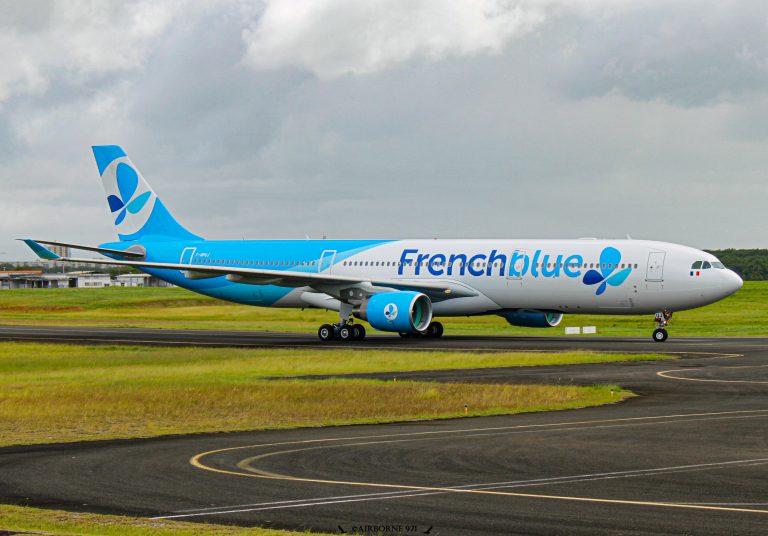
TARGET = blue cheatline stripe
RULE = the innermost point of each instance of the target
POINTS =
(229, 252)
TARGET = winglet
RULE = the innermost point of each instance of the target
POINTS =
(40, 250)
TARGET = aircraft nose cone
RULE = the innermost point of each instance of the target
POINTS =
(734, 282)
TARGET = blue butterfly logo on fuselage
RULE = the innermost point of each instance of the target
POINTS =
(609, 263)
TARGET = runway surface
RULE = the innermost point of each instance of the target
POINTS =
(690, 456)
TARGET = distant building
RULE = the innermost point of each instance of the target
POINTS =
(29, 279)
(140, 280)
(90, 279)
(61, 251)
(19, 279)
(54, 265)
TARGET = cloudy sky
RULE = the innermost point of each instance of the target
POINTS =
(391, 118)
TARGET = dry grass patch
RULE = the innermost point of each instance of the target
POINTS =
(50, 413)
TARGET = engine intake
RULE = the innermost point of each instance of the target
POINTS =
(533, 319)
(401, 311)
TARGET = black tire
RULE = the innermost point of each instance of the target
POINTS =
(660, 335)
(405, 335)
(326, 333)
(346, 333)
(435, 330)
(359, 332)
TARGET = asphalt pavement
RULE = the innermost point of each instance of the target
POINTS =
(688, 456)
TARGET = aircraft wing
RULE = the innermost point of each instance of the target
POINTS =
(252, 276)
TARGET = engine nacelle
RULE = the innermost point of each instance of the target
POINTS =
(402, 311)
(533, 319)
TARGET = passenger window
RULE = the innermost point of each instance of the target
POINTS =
(706, 266)
(696, 265)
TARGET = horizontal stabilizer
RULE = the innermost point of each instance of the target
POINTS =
(134, 252)
(40, 250)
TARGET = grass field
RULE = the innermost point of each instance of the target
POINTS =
(53, 393)
(745, 314)
(40, 521)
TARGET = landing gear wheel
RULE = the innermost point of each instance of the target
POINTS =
(325, 332)
(435, 330)
(358, 332)
(405, 335)
(346, 333)
(660, 335)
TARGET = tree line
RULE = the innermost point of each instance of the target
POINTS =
(750, 264)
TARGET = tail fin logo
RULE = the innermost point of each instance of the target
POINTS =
(129, 199)
(609, 261)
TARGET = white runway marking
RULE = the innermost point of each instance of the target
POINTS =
(405, 490)
(299, 503)
(668, 374)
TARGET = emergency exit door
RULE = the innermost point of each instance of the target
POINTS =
(655, 269)
(515, 271)
(187, 255)
(326, 260)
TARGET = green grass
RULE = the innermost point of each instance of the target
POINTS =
(744, 314)
(60, 362)
(53, 393)
(18, 518)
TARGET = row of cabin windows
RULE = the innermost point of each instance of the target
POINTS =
(705, 265)
(478, 264)
(257, 263)
(482, 264)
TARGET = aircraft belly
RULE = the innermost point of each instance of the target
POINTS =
(474, 305)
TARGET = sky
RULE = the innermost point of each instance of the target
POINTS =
(391, 118)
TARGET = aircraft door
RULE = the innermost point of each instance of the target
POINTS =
(326, 260)
(515, 272)
(187, 255)
(655, 269)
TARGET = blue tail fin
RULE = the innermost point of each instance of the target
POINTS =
(137, 211)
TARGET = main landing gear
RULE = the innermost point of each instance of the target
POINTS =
(433, 331)
(662, 319)
(343, 331)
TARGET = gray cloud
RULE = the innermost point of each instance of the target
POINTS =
(591, 119)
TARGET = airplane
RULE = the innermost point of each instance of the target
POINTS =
(401, 286)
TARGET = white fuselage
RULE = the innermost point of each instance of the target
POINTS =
(548, 274)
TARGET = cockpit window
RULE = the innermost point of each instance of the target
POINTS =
(718, 265)
(696, 265)
(706, 265)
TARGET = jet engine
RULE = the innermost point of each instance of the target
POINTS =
(533, 319)
(401, 311)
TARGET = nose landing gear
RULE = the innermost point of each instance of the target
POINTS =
(662, 319)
